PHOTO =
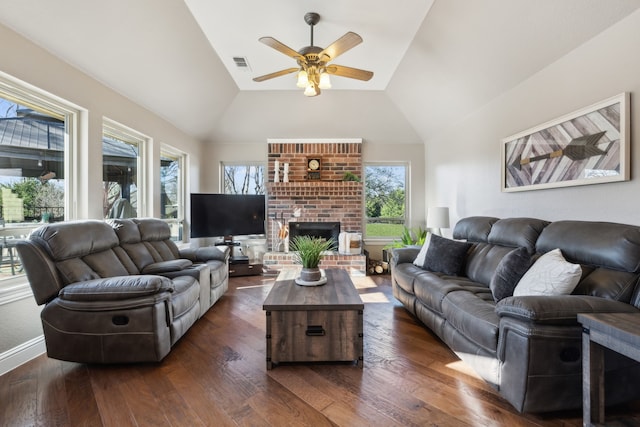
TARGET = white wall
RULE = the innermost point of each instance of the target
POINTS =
(463, 162)
(25, 61)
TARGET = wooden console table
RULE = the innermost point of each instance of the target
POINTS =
(619, 332)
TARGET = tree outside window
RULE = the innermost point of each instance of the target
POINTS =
(243, 178)
(385, 200)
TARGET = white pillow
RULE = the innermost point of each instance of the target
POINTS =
(551, 274)
(419, 261)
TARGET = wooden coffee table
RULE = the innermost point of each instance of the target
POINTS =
(314, 323)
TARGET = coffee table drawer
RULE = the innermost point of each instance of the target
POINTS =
(315, 336)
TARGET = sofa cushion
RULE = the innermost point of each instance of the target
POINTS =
(405, 275)
(165, 266)
(431, 288)
(551, 274)
(116, 288)
(482, 261)
(598, 244)
(474, 228)
(186, 294)
(509, 272)
(218, 272)
(472, 313)
(446, 256)
(126, 229)
(517, 232)
(152, 229)
(606, 283)
(61, 239)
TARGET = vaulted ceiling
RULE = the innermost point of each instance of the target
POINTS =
(434, 61)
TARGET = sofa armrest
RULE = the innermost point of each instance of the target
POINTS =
(167, 266)
(404, 255)
(116, 288)
(206, 253)
(558, 309)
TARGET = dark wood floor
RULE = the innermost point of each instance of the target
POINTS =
(216, 375)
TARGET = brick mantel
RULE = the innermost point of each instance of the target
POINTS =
(328, 199)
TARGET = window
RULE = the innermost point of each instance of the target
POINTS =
(122, 174)
(243, 178)
(36, 136)
(172, 189)
(385, 199)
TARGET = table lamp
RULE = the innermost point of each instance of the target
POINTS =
(437, 218)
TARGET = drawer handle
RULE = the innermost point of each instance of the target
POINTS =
(315, 331)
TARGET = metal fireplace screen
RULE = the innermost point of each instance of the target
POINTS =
(324, 230)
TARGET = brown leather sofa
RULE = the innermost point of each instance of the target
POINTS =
(120, 291)
(528, 347)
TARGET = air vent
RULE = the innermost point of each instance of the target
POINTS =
(241, 63)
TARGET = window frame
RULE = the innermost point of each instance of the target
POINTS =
(182, 158)
(128, 135)
(407, 198)
(15, 90)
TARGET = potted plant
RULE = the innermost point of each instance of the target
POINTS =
(410, 237)
(308, 251)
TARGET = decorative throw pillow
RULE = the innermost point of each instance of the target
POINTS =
(445, 255)
(508, 273)
(419, 261)
(551, 274)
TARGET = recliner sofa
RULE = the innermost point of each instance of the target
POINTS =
(120, 291)
(528, 347)
(147, 242)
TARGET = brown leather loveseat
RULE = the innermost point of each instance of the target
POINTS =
(120, 291)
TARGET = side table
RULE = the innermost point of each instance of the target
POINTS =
(619, 332)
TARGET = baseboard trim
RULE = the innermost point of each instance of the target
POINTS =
(21, 354)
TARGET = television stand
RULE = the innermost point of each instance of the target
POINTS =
(244, 269)
(239, 265)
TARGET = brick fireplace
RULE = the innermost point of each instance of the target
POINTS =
(324, 198)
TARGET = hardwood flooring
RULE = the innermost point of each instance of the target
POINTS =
(216, 376)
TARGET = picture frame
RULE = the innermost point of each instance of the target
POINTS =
(588, 146)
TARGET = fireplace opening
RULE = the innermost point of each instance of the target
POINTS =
(323, 230)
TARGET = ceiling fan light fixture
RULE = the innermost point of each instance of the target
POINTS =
(311, 90)
(325, 81)
(312, 74)
(303, 79)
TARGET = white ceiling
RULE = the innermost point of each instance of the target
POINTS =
(437, 63)
(234, 27)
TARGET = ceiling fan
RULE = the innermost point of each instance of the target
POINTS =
(313, 61)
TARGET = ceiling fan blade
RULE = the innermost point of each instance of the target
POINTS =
(280, 47)
(340, 46)
(274, 75)
(352, 73)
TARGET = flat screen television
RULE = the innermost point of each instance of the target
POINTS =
(222, 215)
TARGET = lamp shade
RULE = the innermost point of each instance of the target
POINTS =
(438, 217)
(303, 80)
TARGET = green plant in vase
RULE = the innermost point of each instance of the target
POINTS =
(308, 251)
